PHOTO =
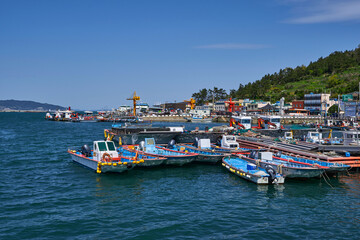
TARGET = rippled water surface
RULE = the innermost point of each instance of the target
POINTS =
(44, 195)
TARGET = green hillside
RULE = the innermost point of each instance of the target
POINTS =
(338, 73)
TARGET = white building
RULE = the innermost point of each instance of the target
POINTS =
(124, 108)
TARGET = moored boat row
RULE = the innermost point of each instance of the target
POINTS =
(256, 165)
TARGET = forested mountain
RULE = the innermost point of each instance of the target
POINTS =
(27, 105)
(338, 73)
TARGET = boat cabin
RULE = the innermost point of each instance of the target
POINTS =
(149, 145)
(272, 122)
(351, 137)
(243, 120)
(288, 135)
(204, 143)
(102, 147)
(229, 141)
(314, 137)
(176, 129)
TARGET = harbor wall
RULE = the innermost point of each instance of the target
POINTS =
(223, 119)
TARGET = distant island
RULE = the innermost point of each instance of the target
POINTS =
(26, 106)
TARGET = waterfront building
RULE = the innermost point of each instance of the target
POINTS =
(297, 104)
(220, 106)
(175, 106)
(142, 107)
(256, 106)
(317, 103)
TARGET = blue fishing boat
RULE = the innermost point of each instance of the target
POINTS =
(103, 158)
(329, 167)
(173, 157)
(148, 160)
(251, 172)
(290, 168)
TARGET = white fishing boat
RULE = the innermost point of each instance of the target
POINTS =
(103, 158)
(200, 119)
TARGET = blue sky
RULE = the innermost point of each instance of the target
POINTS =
(95, 54)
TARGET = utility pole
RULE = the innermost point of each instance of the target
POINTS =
(357, 103)
(338, 107)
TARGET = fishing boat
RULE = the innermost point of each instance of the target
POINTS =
(173, 157)
(251, 172)
(329, 167)
(200, 119)
(148, 160)
(87, 117)
(289, 168)
(103, 158)
(228, 143)
(204, 150)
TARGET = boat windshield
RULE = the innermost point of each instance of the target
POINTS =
(150, 141)
(111, 146)
(245, 121)
(230, 138)
(102, 146)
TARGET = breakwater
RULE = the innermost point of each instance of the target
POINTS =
(225, 119)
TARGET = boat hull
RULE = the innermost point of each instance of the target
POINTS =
(179, 160)
(151, 162)
(105, 167)
(209, 158)
(290, 172)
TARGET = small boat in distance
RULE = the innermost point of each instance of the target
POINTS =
(200, 119)
(251, 172)
(103, 158)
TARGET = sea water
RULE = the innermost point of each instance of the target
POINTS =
(44, 195)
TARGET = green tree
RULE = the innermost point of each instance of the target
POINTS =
(333, 109)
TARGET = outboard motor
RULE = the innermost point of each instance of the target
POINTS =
(86, 151)
(272, 173)
(218, 141)
(196, 142)
(171, 144)
(253, 154)
(142, 146)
